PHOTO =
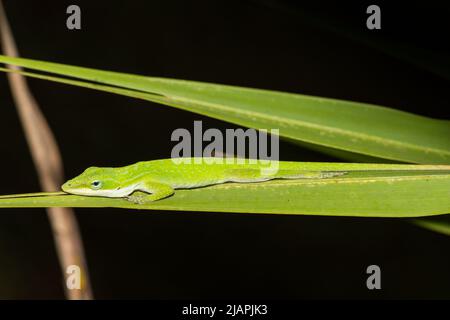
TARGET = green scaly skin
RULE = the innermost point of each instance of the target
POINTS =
(153, 180)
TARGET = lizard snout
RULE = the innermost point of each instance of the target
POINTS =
(66, 185)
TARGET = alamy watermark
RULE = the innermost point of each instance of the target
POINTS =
(235, 146)
(374, 280)
(374, 20)
(73, 21)
(73, 280)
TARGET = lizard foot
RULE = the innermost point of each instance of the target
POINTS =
(139, 197)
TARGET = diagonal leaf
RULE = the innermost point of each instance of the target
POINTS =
(350, 126)
(439, 226)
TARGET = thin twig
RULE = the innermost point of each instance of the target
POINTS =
(47, 160)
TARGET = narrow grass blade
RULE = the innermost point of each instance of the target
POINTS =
(434, 225)
(36, 194)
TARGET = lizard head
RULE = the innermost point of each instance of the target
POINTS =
(94, 181)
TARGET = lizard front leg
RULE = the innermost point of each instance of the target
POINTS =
(149, 191)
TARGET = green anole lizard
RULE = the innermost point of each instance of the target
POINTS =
(153, 180)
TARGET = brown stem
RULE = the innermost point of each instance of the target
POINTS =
(48, 163)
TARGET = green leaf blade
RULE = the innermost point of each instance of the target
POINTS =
(370, 196)
(350, 126)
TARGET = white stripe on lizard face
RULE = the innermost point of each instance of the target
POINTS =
(114, 193)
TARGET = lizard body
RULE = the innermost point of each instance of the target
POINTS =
(153, 180)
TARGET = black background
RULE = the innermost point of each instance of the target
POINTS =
(317, 48)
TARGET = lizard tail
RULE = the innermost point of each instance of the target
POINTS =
(293, 174)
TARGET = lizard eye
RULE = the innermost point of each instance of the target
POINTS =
(96, 184)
